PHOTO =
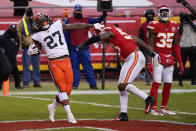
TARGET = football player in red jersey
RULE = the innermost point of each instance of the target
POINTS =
(163, 38)
(134, 62)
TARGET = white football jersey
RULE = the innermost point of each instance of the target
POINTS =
(52, 40)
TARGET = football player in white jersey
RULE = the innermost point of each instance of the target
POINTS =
(50, 37)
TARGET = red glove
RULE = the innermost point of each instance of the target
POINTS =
(150, 68)
(181, 69)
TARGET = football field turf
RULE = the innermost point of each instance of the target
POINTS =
(30, 103)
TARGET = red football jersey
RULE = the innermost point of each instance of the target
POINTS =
(164, 35)
(122, 40)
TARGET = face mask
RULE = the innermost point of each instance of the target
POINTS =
(12, 33)
(149, 18)
(77, 15)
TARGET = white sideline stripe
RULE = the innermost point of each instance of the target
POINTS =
(97, 104)
(88, 127)
(93, 92)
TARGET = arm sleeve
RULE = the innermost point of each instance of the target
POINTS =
(176, 49)
(92, 40)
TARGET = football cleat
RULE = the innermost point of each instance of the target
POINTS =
(71, 118)
(121, 117)
(155, 112)
(165, 110)
(51, 111)
(149, 102)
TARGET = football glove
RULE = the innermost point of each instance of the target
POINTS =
(181, 69)
(32, 50)
(98, 26)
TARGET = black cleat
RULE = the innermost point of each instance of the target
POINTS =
(121, 117)
(150, 100)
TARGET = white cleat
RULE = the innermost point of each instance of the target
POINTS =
(155, 112)
(51, 111)
(71, 118)
(165, 110)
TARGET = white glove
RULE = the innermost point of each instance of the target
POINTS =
(32, 50)
(98, 26)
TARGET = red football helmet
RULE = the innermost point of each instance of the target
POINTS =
(163, 12)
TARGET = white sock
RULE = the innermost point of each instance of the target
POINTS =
(123, 101)
(67, 109)
(63, 96)
(134, 90)
(56, 104)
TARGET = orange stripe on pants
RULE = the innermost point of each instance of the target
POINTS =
(62, 74)
(132, 67)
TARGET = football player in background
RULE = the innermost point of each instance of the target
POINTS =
(134, 62)
(163, 38)
(50, 37)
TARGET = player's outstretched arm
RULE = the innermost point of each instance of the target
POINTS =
(103, 36)
(148, 49)
(76, 26)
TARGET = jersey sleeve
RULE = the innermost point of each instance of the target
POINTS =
(151, 25)
(35, 37)
(106, 28)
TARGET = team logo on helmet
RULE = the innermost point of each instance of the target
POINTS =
(163, 12)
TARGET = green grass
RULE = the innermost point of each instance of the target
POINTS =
(13, 108)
